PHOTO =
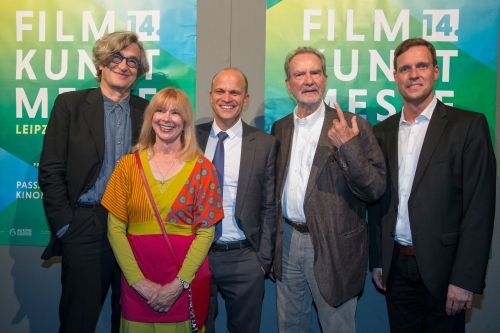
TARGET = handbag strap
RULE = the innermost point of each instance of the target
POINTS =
(155, 208)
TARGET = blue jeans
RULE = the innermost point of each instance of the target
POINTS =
(298, 289)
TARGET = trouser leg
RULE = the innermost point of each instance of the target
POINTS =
(88, 264)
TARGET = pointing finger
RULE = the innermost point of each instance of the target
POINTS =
(340, 114)
(354, 124)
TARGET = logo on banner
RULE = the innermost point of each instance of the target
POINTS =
(440, 25)
(443, 24)
(21, 232)
(146, 24)
(48, 51)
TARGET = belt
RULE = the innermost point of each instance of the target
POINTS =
(405, 250)
(299, 226)
(217, 247)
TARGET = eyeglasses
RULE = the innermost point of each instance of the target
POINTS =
(117, 58)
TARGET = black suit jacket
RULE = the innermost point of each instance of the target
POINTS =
(451, 205)
(73, 152)
(255, 211)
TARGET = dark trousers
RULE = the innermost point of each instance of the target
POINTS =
(238, 277)
(88, 269)
(411, 307)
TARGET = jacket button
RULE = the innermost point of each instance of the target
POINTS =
(392, 234)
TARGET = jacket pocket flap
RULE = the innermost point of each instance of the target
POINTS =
(441, 159)
(353, 232)
(450, 238)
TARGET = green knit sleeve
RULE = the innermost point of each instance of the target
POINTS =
(117, 235)
(197, 253)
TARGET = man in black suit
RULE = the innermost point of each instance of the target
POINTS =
(243, 254)
(88, 132)
(430, 234)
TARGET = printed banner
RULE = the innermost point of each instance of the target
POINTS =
(358, 39)
(46, 50)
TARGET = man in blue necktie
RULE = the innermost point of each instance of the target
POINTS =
(244, 156)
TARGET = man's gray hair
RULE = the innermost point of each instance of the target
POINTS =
(301, 50)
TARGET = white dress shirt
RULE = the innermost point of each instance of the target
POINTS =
(305, 140)
(410, 140)
(232, 158)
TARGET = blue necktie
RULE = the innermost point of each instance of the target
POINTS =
(218, 162)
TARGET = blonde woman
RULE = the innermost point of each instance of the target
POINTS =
(185, 189)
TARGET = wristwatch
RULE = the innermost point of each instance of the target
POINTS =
(185, 285)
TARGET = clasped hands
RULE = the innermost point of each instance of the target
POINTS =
(340, 132)
(160, 298)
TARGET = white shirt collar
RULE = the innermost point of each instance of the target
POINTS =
(237, 129)
(313, 118)
(427, 113)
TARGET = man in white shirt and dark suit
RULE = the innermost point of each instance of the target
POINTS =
(430, 233)
(241, 257)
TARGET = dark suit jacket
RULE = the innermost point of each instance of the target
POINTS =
(340, 185)
(73, 152)
(255, 205)
(451, 205)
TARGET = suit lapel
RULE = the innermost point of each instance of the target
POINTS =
(323, 152)
(93, 113)
(136, 121)
(287, 130)
(246, 167)
(392, 151)
(436, 127)
(202, 134)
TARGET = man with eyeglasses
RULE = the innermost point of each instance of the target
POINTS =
(87, 134)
